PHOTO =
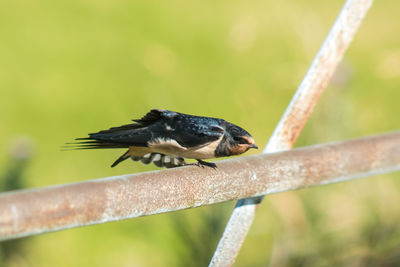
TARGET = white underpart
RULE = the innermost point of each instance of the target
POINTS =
(157, 157)
(167, 159)
(160, 159)
(172, 148)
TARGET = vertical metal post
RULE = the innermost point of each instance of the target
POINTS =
(294, 119)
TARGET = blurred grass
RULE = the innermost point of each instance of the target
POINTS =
(73, 67)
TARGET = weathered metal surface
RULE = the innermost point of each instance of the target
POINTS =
(24, 213)
(294, 118)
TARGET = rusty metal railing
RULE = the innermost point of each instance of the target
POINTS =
(294, 119)
(36, 211)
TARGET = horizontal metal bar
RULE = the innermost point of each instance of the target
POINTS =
(24, 213)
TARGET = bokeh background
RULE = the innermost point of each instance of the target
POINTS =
(71, 67)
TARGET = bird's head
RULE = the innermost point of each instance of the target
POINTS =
(240, 140)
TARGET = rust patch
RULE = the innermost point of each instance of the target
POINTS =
(30, 212)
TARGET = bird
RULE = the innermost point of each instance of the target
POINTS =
(167, 138)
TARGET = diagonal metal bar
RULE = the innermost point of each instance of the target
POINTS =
(31, 212)
(294, 119)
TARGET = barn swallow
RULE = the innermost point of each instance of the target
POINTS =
(166, 138)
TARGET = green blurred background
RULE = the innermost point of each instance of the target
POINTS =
(73, 67)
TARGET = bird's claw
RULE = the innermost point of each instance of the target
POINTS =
(201, 163)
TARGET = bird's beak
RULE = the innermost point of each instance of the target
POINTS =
(253, 146)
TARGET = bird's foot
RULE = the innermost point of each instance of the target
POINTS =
(201, 163)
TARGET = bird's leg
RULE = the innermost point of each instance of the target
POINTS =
(201, 163)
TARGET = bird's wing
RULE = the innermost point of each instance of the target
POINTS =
(151, 117)
(161, 125)
(194, 133)
(134, 134)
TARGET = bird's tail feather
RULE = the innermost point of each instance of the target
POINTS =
(120, 159)
(87, 143)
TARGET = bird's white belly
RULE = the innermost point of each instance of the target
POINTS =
(171, 147)
(203, 152)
